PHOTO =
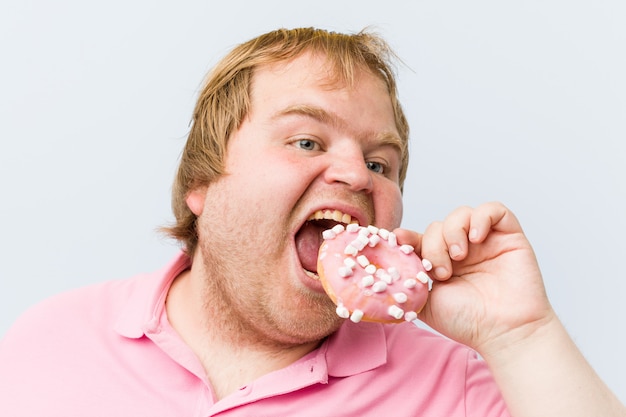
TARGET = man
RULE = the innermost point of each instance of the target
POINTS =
(289, 124)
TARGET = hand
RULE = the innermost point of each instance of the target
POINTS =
(487, 287)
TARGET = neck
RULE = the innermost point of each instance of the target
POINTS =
(232, 353)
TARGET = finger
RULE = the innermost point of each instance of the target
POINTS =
(409, 237)
(455, 231)
(435, 250)
(491, 216)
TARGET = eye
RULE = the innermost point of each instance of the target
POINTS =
(377, 167)
(307, 144)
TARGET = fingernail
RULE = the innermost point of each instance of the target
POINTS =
(441, 272)
(454, 251)
(473, 234)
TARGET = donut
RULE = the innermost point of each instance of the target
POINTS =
(369, 276)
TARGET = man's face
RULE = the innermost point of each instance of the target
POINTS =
(306, 146)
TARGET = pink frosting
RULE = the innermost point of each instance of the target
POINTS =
(396, 291)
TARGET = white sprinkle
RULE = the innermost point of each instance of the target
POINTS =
(427, 264)
(400, 297)
(392, 239)
(353, 227)
(370, 269)
(367, 281)
(362, 260)
(342, 311)
(395, 312)
(344, 271)
(373, 229)
(394, 273)
(350, 250)
(356, 316)
(338, 228)
(384, 233)
(410, 283)
(410, 315)
(379, 286)
(349, 262)
(374, 239)
(358, 244)
(384, 276)
(329, 234)
(362, 242)
(364, 231)
(423, 277)
(407, 249)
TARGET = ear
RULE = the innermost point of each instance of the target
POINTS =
(195, 200)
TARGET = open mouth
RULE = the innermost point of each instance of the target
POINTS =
(309, 237)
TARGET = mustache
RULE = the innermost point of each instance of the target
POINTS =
(362, 201)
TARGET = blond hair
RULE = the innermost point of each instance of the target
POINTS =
(225, 100)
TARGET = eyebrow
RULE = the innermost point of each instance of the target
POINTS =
(319, 114)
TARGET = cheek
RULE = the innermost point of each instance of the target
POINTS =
(398, 211)
(285, 177)
(389, 209)
(262, 190)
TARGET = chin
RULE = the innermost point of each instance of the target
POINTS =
(315, 319)
(310, 333)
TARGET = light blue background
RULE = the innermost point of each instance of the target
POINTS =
(523, 102)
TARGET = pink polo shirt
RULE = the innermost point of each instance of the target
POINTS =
(108, 350)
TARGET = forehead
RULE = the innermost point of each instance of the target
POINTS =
(309, 86)
(316, 67)
(312, 80)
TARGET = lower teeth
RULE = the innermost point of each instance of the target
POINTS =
(312, 274)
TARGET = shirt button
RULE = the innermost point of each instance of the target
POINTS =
(245, 390)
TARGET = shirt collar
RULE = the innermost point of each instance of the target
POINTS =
(146, 298)
(353, 349)
(356, 348)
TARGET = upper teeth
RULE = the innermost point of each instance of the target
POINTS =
(335, 215)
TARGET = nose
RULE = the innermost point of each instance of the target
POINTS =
(348, 167)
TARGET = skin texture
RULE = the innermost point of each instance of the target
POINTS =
(477, 278)
(247, 307)
(304, 146)
(488, 293)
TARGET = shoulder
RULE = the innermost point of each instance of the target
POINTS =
(429, 351)
(454, 371)
(60, 349)
(416, 366)
(72, 312)
(94, 302)
(95, 308)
